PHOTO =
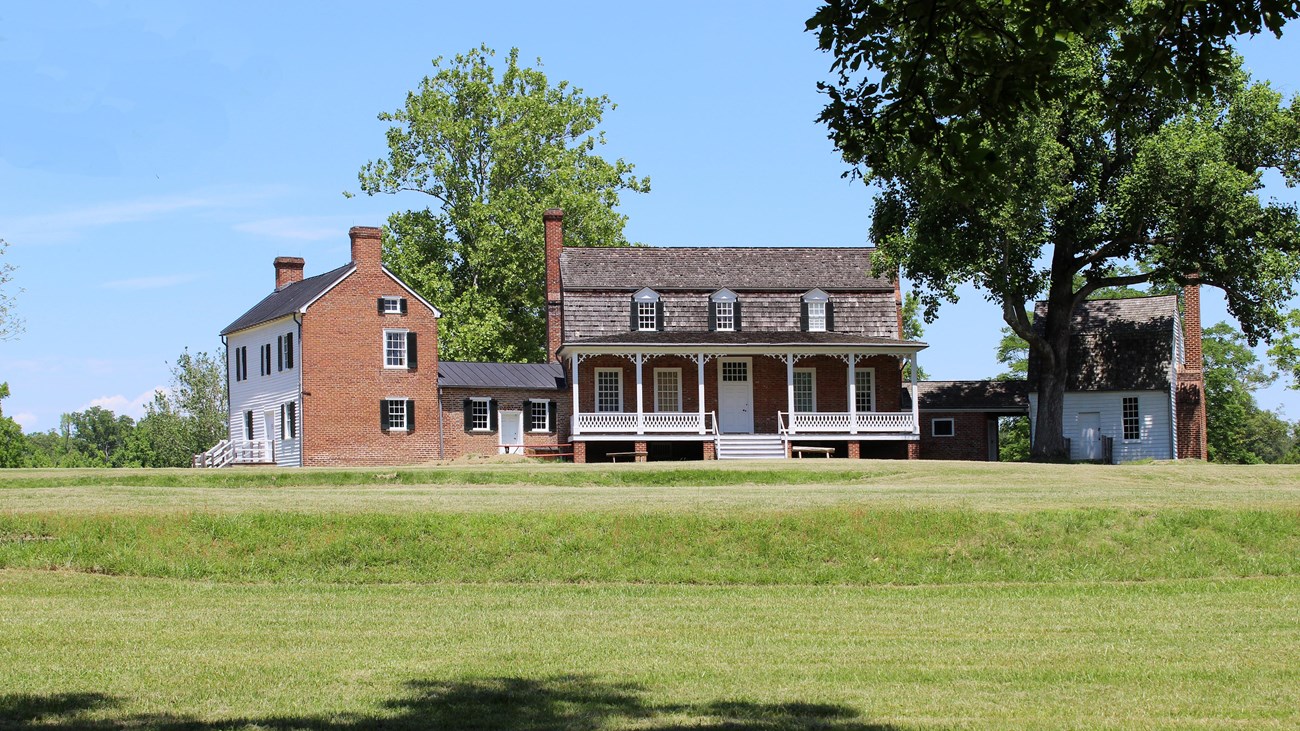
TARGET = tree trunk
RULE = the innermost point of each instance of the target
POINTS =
(1049, 438)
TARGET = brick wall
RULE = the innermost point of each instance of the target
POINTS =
(1190, 409)
(459, 442)
(343, 372)
(968, 442)
(553, 223)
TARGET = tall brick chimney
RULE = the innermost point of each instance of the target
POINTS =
(288, 269)
(1192, 327)
(553, 220)
(367, 246)
(1193, 440)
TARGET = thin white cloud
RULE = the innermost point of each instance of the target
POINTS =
(158, 282)
(119, 404)
(27, 420)
(298, 228)
(60, 226)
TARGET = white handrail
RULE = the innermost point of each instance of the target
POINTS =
(842, 422)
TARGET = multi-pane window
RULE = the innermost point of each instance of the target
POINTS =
(397, 414)
(725, 315)
(394, 348)
(816, 317)
(1132, 425)
(864, 386)
(609, 389)
(647, 316)
(735, 371)
(479, 414)
(539, 415)
(805, 390)
(241, 363)
(284, 349)
(668, 389)
(392, 305)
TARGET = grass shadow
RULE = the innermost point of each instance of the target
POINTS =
(501, 704)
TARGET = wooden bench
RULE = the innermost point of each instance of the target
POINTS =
(547, 451)
(823, 451)
(635, 456)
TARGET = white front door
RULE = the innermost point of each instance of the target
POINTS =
(511, 433)
(735, 395)
(268, 422)
(1090, 434)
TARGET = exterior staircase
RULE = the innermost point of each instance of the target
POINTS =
(750, 446)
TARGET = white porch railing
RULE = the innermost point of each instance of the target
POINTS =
(660, 422)
(842, 422)
(226, 452)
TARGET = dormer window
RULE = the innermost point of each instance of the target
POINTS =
(647, 311)
(817, 313)
(724, 311)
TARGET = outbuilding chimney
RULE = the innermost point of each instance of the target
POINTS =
(288, 269)
(367, 247)
(1192, 327)
(553, 221)
(1192, 431)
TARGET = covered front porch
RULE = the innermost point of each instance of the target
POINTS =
(846, 392)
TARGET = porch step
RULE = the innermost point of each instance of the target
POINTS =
(750, 446)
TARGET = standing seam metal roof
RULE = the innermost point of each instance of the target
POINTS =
(287, 301)
(539, 376)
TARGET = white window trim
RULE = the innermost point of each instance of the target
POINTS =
(641, 316)
(872, 371)
(813, 385)
(646, 296)
(813, 325)
(487, 413)
(405, 355)
(1138, 418)
(406, 421)
(396, 303)
(678, 371)
(717, 316)
(596, 381)
(948, 419)
(546, 408)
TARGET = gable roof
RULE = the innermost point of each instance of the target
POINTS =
(1118, 344)
(541, 376)
(989, 396)
(285, 302)
(747, 337)
(712, 268)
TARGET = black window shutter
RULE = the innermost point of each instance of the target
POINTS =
(803, 315)
(469, 414)
(659, 315)
(410, 414)
(381, 305)
(283, 422)
(383, 415)
(735, 313)
(632, 322)
(288, 350)
(411, 351)
(243, 362)
(830, 316)
(402, 305)
(552, 414)
(293, 419)
(713, 315)
(279, 353)
(492, 415)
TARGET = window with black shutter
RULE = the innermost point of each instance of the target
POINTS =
(288, 350)
(411, 351)
(279, 353)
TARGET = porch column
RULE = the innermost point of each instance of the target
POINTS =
(640, 390)
(699, 367)
(853, 393)
(573, 422)
(789, 392)
(916, 400)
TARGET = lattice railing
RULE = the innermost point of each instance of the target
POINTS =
(606, 421)
(685, 422)
(841, 422)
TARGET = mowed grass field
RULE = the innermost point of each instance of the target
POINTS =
(813, 595)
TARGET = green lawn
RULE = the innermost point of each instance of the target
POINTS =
(829, 595)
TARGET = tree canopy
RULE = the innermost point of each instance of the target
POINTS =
(1105, 182)
(494, 152)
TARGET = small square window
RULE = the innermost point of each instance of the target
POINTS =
(735, 371)
(392, 305)
(394, 348)
(539, 415)
(478, 414)
(943, 427)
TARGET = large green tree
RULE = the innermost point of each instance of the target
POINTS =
(495, 151)
(1106, 183)
(1237, 430)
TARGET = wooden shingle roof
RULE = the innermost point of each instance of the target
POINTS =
(713, 268)
(1119, 344)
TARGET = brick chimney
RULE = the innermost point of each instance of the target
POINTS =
(1192, 327)
(553, 220)
(367, 246)
(288, 269)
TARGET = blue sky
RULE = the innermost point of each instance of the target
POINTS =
(155, 157)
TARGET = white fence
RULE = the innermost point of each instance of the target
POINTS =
(254, 451)
(842, 422)
(660, 422)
